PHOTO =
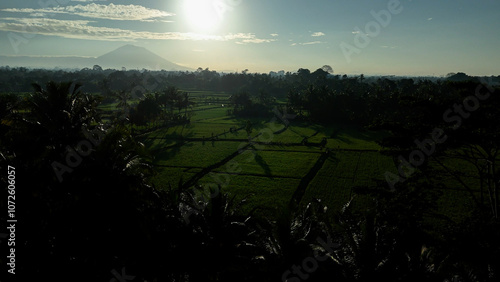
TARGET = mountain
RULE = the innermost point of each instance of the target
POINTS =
(128, 56)
(134, 57)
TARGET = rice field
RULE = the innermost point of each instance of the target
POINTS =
(344, 170)
(195, 154)
(276, 163)
(268, 171)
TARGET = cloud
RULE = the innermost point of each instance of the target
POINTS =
(307, 43)
(429, 19)
(256, 40)
(355, 32)
(81, 29)
(98, 11)
(317, 34)
(40, 15)
(311, 43)
(274, 34)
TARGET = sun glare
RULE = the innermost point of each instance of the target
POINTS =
(201, 15)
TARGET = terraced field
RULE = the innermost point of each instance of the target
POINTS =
(344, 170)
(214, 149)
(278, 163)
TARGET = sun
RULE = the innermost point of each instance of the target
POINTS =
(201, 15)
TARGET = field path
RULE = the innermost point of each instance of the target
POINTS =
(304, 182)
(210, 168)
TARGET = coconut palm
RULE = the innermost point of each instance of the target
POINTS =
(295, 235)
(186, 103)
(172, 98)
(51, 118)
(385, 239)
(123, 98)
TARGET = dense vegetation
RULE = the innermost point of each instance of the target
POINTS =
(252, 177)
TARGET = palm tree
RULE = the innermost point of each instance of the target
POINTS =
(123, 98)
(386, 239)
(56, 115)
(224, 240)
(107, 186)
(172, 98)
(297, 234)
(186, 104)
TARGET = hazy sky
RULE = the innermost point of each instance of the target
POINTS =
(410, 37)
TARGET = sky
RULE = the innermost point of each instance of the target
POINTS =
(386, 37)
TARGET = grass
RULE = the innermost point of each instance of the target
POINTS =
(108, 106)
(267, 195)
(207, 130)
(158, 144)
(288, 148)
(352, 138)
(344, 170)
(276, 163)
(195, 154)
(208, 113)
(272, 172)
(166, 176)
(455, 201)
(198, 130)
(175, 132)
(203, 106)
(338, 137)
(268, 172)
(287, 136)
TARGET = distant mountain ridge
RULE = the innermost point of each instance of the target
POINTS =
(127, 56)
